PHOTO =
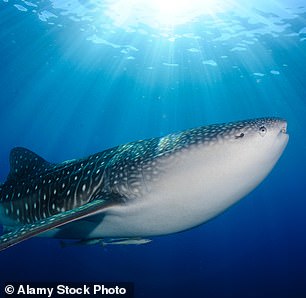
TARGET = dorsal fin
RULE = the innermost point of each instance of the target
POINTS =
(25, 163)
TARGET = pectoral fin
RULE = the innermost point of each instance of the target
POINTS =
(29, 230)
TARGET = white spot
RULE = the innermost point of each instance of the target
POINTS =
(34, 205)
(18, 211)
(54, 191)
(84, 187)
(45, 197)
(170, 64)
(210, 62)
(258, 74)
(194, 50)
(26, 206)
(98, 171)
(275, 72)
(6, 196)
(238, 49)
(49, 181)
(53, 206)
(63, 185)
(68, 192)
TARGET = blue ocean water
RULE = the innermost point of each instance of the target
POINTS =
(80, 76)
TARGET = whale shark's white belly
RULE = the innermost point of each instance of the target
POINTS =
(192, 190)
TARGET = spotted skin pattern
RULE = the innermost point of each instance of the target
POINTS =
(39, 195)
(36, 189)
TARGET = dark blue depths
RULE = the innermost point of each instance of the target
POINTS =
(65, 97)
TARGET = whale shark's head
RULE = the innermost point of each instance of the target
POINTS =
(214, 166)
(260, 141)
(263, 132)
(245, 149)
(248, 148)
(240, 154)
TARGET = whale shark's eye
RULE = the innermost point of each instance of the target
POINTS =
(262, 130)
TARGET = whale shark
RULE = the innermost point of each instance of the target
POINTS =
(141, 189)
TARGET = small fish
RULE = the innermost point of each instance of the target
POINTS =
(105, 242)
(127, 241)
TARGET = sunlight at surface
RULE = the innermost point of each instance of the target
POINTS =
(161, 42)
(162, 14)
